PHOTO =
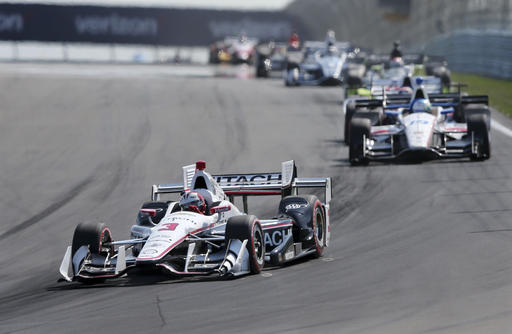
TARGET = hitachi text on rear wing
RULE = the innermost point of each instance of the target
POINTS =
(282, 183)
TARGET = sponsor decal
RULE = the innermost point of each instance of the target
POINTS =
(116, 25)
(168, 227)
(294, 206)
(276, 238)
(289, 254)
(227, 180)
(418, 122)
(11, 22)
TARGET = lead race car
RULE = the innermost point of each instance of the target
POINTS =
(420, 127)
(205, 233)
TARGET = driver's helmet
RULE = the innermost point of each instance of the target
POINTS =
(294, 41)
(421, 105)
(332, 49)
(193, 201)
(331, 36)
(396, 62)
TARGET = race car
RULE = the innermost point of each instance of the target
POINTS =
(381, 71)
(318, 64)
(235, 50)
(219, 52)
(204, 233)
(420, 127)
(243, 50)
(380, 88)
(270, 57)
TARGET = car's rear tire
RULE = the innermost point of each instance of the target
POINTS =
(375, 115)
(349, 113)
(249, 227)
(477, 109)
(308, 215)
(478, 128)
(360, 129)
(94, 235)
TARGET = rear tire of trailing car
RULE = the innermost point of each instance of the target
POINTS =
(308, 213)
(349, 112)
(249, 227)
(94, 235)
(471, 109)
(477, 127)
(359, 130)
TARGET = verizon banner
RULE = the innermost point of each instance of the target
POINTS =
(136, 25)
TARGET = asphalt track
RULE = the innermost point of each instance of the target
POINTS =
(421, 248)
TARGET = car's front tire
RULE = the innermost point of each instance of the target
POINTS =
(359, 131)
(94, 235)
(477, 127)
(308, 215)
(249, 228)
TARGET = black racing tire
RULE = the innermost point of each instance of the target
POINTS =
(471, 109)
(308, 215)
(446, 80)
(261, 72)
(442, 73)
(249, 227)
(94, 235)
(359, 129)
(349, 113)
(375, 115)
(261, 69)
(477, 126)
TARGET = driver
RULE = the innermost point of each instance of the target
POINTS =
(193, 201)
(330, 41)
(421, 105)
(294, 42)
(242, 38)
(396, 53)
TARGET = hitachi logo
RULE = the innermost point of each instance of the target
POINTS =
(276, 238)
(248, 179)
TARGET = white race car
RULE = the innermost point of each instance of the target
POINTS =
(420, 127)
(204, 232)
(318, 64)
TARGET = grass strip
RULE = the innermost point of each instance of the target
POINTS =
(499, 91)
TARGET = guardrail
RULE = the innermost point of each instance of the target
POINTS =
(485, 52)
(100, 53)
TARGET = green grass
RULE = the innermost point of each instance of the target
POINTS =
(499, 91)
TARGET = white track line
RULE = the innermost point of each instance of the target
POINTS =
(501, 128)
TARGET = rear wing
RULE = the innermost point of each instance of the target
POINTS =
(410, 58)
(441, 100)
(379, 87)
(283, 183)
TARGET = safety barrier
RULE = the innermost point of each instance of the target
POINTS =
(485, 52)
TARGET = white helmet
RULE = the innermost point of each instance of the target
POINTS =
(193, 201)
(421, 105)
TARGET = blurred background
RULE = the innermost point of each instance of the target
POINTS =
(475, 36)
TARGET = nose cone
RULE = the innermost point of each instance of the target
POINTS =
(419, 128)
